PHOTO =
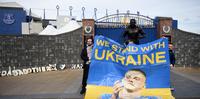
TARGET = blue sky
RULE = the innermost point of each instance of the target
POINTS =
(187, 12)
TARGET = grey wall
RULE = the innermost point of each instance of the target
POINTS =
(36, 50)
(187, 48)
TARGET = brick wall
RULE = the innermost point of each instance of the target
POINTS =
(187, 48)
(39, 50)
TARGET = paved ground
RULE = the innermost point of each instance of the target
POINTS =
(186, 82)
(47, 85)
(66, 85)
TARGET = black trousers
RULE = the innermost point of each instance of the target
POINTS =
(85, 76)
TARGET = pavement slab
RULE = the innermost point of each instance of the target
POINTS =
(66, 84)
(186, 82)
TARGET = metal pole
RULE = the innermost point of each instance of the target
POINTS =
(83, 9)
(128, 12)
(117, 11)
(29, 27)
(44, 14)
(107, 12)
(57, 7)
(70, 8)
(118, 15)
(107, 15)
(95, 13)
(138, 15)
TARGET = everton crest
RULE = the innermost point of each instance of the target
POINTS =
(88, 29)
(166, 29)
(8, 18)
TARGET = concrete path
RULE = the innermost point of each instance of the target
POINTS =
(189, 73)
(49, 85)
(186, 82)
(66, 84)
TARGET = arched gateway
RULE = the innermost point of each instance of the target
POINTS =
(113, 26)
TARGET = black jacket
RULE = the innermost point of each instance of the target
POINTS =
(84, 56)
(172, 57)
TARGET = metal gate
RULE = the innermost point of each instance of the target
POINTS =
(113, 26)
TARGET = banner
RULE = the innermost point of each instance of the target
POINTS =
(144, 67)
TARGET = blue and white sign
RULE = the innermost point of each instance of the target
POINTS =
(110, 61)
(8, 18)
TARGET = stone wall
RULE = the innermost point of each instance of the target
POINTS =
(38, 50)
(187, 48)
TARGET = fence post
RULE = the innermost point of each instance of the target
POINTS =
(70, 8)
(57, 7)
(95, 14)
(83, 9)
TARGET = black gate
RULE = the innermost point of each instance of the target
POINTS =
(113, 26)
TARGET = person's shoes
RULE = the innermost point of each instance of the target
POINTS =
(82, 91)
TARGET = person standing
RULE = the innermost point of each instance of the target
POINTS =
(86, 57)
(171, 55)
(172, 62)
(133, 33)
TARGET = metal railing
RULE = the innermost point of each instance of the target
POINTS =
(123, 19)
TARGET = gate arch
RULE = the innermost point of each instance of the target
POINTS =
(124, 19)
(112, 26)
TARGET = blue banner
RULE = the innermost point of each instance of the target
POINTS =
(111, 60)
(116, 34)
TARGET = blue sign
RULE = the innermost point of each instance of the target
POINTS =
(111, 60)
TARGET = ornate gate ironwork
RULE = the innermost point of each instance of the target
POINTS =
(123, 19)
(113, 26)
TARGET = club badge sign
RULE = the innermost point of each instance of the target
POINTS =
(88, 29)
(8, 18)
(166, 29)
